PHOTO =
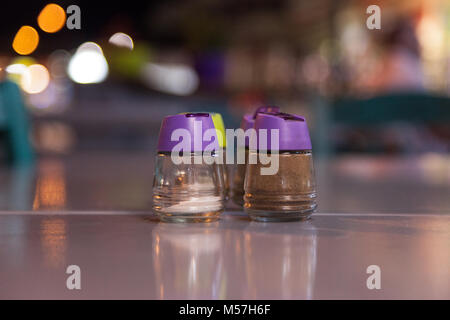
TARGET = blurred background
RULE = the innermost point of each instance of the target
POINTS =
(80, 108)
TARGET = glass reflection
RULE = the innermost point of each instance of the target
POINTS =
(280, 260)
(50, 186)
(53, 241)
(187, 261)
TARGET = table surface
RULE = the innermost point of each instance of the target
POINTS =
(94, 211)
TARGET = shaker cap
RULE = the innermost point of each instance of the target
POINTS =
(293, 130)
(248, 120)
(196, 125)
(219, 125)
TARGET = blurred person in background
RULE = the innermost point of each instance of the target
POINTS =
(401, 68)
(399, 78)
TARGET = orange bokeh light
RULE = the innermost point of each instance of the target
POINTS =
(26, 40)
(52, 18)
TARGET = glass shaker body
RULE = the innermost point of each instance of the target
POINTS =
(289, 194)
(187, 192)
(225, 168)
(238, 181)
(248, 121)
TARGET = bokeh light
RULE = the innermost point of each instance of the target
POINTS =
(88, 65)
(129, 63)
(57, 64)
(123, 40)
(26, 40)
(431, 37)
(52, 18)
(175, 79)
(90, 46)
(55, 99)
(35, 79)
(27, 61)
(43, 100)
(16, 71)
(18, 67)
(55, 137)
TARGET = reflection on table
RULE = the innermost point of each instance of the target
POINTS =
(123, 182)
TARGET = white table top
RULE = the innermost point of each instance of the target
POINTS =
(386, 212)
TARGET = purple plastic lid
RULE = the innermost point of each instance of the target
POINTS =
(248, 120)
(196, 125)
(266, 109)
(293, 130)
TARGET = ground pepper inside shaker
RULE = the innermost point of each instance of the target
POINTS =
(289, 193)
(239, 174)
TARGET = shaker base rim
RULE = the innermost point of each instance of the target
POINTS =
(197, 218)
(279, 216)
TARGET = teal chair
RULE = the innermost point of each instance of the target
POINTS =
(374, 113)
(14, 124)
(419, 108)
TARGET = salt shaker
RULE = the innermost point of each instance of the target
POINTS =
(188, 183)
(222, 140)
(248, 120)
(288, 190)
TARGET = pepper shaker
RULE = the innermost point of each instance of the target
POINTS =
(288, 193)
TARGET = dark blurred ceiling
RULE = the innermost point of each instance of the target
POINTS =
(191, 23)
